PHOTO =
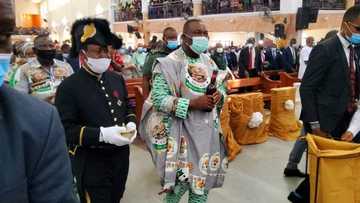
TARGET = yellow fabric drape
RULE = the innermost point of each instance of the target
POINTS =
(334, 171)
(283, 123)
(240, 109)
(233, 148)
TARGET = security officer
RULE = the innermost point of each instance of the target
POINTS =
(93, 105)
(34, 164)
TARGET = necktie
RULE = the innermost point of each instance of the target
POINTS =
(250, 64)
(353, 82)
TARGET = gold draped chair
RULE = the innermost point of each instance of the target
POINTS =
(283, 122)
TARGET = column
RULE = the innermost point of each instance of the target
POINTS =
(197, 10)
(287, 6)
(349, 3)
(145, 12)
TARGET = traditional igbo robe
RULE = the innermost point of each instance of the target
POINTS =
(186, 145)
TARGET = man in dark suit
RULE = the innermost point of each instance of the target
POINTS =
(250, 60)
(232, 59)
(274, 58)
(291, 55)
(34, 164)
(330, 86)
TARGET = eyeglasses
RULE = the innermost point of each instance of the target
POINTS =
(357, 27)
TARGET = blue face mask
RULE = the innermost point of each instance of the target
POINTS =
(199, 44)
(4, 66)
(172, 44)
(122, 51)
(355, 38)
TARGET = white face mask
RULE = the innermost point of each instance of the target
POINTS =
(30, 59)
(98, 65)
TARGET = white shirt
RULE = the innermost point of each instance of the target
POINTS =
(304, 57)
(252, 49)
(293, 53)
(354, 126)
(345, 45)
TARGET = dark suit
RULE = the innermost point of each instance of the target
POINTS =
(74, 62)
(244, 63)
(289, 58)
(276, 61)
(85, 104)
(325, 88)
(34, 161)
(231, 60)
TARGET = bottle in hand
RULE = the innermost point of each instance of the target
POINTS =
(211, 88)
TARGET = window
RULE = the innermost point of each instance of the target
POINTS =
(170, 8)
(325, 4)
(237, 6)
(125, 10)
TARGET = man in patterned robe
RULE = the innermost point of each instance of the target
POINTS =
(180, 122)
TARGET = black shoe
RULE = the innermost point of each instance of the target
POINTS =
(295, 198)
(294, 173)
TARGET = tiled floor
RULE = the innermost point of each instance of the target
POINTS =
(254, 177)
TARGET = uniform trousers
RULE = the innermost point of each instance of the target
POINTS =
(105, 175)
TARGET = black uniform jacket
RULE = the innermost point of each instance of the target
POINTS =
(85, 104)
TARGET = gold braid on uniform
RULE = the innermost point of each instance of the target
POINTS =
(81, 136)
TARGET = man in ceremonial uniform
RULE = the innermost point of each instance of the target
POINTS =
(41, 77)
(94, 109)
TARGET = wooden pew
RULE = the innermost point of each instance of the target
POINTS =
(135, 94)
(135, 81)
(263, 84)
(287, 79)
(269, 83)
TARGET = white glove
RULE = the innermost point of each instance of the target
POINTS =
(256, 120)
(112, 135)
(131, 126)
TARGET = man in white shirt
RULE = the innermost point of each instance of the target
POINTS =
(304, 56)
(354, 128)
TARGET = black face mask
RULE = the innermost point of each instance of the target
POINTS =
(46, 57)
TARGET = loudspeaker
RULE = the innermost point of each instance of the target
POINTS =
(313, 15)
(279, 30)
(303, 18)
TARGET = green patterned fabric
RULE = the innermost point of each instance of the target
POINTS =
(164, 102)
(179, 192)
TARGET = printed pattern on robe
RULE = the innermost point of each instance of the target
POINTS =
(43, 82)
(196, 153)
